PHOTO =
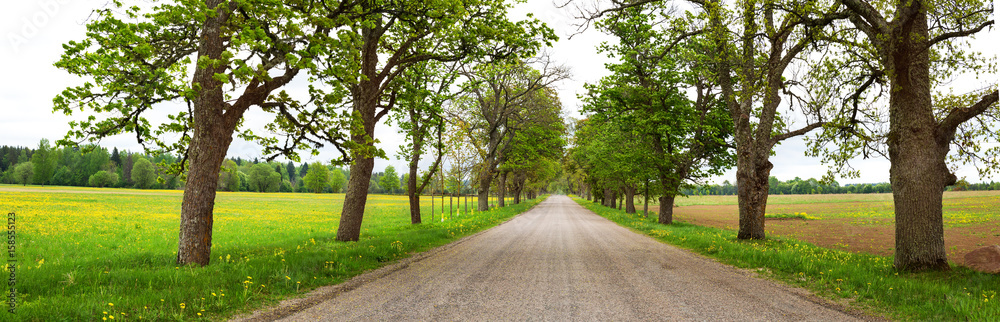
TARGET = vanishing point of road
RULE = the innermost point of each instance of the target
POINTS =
(560, 262)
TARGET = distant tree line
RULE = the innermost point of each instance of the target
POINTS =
(83, 166)
(95, 166)
(810, 186)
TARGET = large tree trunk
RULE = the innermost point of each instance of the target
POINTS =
(918, 172)
(411, 184)
(411, 192)
(609, 198)
(502, 190)
(355, 200)
(366, 95)
(630, 199)
(484, 192)
(213, 132)
(752, 199)
(667, 209)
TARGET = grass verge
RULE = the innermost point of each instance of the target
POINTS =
(110, 257)
(867, 282)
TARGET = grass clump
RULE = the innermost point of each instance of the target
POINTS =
(869, 282)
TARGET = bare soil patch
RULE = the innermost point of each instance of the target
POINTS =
(868, 234)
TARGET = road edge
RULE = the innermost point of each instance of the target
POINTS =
(799, 292)
(321, 294)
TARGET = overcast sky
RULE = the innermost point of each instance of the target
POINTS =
(34, 31)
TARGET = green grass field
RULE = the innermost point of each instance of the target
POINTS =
(109, 254)
(864, 281)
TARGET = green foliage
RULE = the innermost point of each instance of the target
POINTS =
(143, 173)
(337, 180)
(263, 178)
(229, 179)
(103, 178)
(44, 159)
(317, 178)
(24, 172)
(389, 180)
(643, 126)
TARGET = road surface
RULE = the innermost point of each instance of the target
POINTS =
(560, 262)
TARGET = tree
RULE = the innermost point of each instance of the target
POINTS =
(425, 89)
(337, 180)
(24, 172)
(318, 177)
(263, 178)
(103, 178)
(143, 174)
(405, 34)
(116, 157)
(229, 179)
(534, 146)
(494, 106)
(646, 95)
(908, 49)
(45, 160)
(390, 180)
(135, 60)
(292, 174)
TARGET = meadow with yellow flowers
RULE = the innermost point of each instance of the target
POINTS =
(109, 254)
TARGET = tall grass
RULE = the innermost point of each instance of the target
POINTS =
(85, 256)
(869, 282)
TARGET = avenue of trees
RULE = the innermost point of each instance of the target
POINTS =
(698, 87)
(206, 63)
(857, 78)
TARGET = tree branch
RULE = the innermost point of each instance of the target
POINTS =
(798, 132)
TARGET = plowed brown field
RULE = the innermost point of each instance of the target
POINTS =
(857, 223)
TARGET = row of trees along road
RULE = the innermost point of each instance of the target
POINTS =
(137, 59)
(865, 78)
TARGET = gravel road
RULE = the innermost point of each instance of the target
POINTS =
(560, 262)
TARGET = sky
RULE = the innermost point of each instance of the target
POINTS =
(33, 33)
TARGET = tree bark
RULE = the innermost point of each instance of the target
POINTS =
(366, 96)
(502, 190)
(918, 172)
(630, 199)
(752, 197)
(667, 209)
(411, 184)
(213, 132)
(609, 198)
(484, 192)
(355, 200)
